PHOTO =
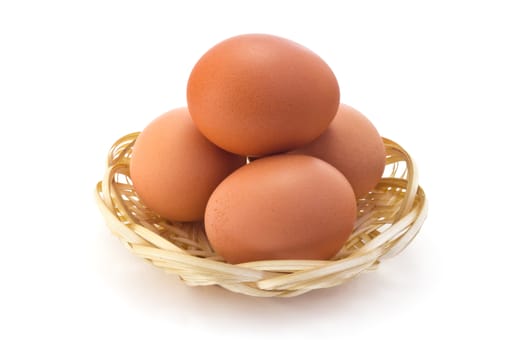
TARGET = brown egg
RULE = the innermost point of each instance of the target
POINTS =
(175, 169)
(281, 207)
(258, 94)
(352, 145)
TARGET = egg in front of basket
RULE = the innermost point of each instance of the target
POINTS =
(281, 207)
(174, 169)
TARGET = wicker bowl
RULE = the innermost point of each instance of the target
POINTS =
(389, 218)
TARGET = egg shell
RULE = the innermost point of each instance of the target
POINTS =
(281, 207)
(353, 145)
(258, 94)
(175, 169)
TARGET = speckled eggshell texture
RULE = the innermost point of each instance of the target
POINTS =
(281, 207)
(258, 94)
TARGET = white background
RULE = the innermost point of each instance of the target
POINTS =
(446, 79)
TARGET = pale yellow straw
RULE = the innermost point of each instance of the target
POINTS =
(388, 219)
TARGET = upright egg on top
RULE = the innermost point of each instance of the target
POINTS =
(175, 169)
(259, 94)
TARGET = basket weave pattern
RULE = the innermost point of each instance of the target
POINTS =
(389, 218)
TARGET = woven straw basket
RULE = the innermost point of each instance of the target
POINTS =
(388, 219)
